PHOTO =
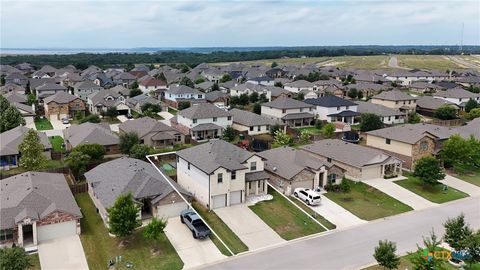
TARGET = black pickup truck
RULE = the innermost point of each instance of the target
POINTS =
(195, 224)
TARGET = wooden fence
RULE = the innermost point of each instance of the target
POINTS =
(448, 123)
(79, 188)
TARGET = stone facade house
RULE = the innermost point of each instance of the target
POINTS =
(152, 132)
(63, 105)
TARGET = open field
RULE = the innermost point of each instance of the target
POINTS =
(437, 62)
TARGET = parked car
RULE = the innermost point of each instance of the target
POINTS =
(129, 116)
(65, 121)
(309, 196)
(195, 224)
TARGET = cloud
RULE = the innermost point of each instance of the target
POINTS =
(126, 24)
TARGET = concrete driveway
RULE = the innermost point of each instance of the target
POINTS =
(248, 226)
(461, 185)
(57, 124)
(166, 117)
(62, 253)
(407, 197)
(122, 118)
(336, 214)
(193, 252)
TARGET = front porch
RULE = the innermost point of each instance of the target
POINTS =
(256, 183)
(392, 169)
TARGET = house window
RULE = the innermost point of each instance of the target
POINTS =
(178, 138)
(396, 102)
(387, 141)
(301, 109)
(284, 111)
(332, 178)
(194, 121)
(251, 128)
(459, 99)
(423, 146)
(6, 234)
(188, 165)
(268, 127)
(220, 178)
(229, 118)
(234, 175)
(214, 119)
(200, 96)
(347, 107)
(338, 108)
(329, 160)
(253, 166)
(258, 128)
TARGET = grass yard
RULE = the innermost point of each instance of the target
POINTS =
(310, 130)
(437, 62)
(172, 111)
(284, 218)
(231, 239)
(51, 164)
(434, 194)
(314, 214)
(110, 120)
(472, 177)
(99, 247)
(43, 124)
(35, 261)
(368, 203)
(406, 264)
(57, 143)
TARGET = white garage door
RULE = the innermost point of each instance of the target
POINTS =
(57, 230)
(236, 197)
(371, 172)
(62, 115)
(171, 210)
(219, 201)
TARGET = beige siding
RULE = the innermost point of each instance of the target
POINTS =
(394, 146)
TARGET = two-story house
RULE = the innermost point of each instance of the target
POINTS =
(202, 121)
(388, 116)
(63, 105)
(252, 123)
(291, 112)
(298, 86)
(182, 93)
(220, 174)
(334, 109)
(48, 89)
(85, 88)
(100, 101)
(396, 99)
(150, 85)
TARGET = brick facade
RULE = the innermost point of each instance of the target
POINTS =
(56, 217)
(424, 147)
(173, 197)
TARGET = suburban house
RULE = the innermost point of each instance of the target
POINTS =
(135, 103)
(410, 142)
(359, 162)
(150, 190)
(427, 105)
(220, 174)
(28, 112)
(263, 80)
(218, 98)
(388, 115)
(63, 105)
(423, 87)
(91, 133)
(15, 97)
(100, 101)
(10, 87)
(85, 88)
(37, 207)
(458, 96)
(152, 132)
(126, 79)
(49, 89)
(300, 85)
(251, 123)
(334, 109)
(290, 168)
(407, 77)
(182, 93)
(396, 99)
(11, 139)
(202, 121)
(249, 88)
(291, 112)
(16, 78)
(152, 85)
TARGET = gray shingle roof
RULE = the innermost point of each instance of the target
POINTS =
(90, 133)
(456, 93)
(214, 95)
(143, 126)
(34, 195)
(98, 98)
(412, 133)
(206, 126)
(286, 103)
(51, 86)
(11, 139)
(432, 103)
(13, 97)
(300, 84)
(329, 101)
(124, 175)
(60, 97)
(394, 95)
(87, 85)
(182, 89)
(215, 154)
(298, 116)
(380, 110)
(250, 119)
(472, 128)
(288, 162)
(203, 110)
(348, 153)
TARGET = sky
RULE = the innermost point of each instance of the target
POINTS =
(217, 23)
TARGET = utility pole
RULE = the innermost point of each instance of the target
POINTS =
(461, 38)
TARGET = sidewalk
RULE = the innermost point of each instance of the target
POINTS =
(461, 185)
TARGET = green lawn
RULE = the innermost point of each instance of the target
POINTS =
(284, 218)
(111, 120)
(229, 238)
(35, 261)
(43, 124)
(57, 142)
(472, 177)
(172, 111)
(368, 203)
(99, 247)
(435, 193)
(406, 264)
(314, 214)
(311, 130)
(51, 164)
(437, 62)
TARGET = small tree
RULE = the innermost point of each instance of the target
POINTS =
(182, 105)
(186, 81)
(304, 137)
(257, 108)
(244, 99)
(31, 100)
(359, 95)
(456, 232)
(274, 129)
(10, 117)
(14, 258)
(94, 151)
(472, 247)
(328, 130)
(140, 151)
(282, 138)
(135, 92)
(155, 229)
(229, 134)
(318, 124)
(278, 84)
(254, 97)
(299, 96)
(127, 141)
(385, 255)
(134, 85)
(111, 112)
(215, 87)
(77, 162)
(370, 121)
(92, 118)
(123, 216)
(352, 93)
(446, 112)
(345, 186)
(262, 98)
(150, 109)
(428, 170)
(274, 64)
(418, 259)
(470, 105)
(225, 78)
(413, 118)
(31, 151)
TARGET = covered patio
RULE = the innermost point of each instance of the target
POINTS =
(298, 119)
(347, 117)
(206, 132)
(256, 183)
